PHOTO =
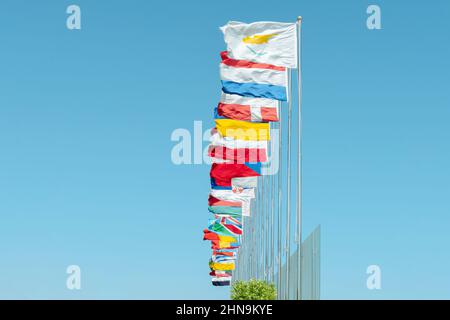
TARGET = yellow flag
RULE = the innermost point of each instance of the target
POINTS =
(225, 244)
(243, 130)
(227, 239)
(221, 266)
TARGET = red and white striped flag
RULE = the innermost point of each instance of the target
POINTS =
(237, 107)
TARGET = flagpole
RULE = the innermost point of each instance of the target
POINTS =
(255, 240)
(266, 238)
(279, 211)
(299, 162)
(254, 248)
(260, 230)
(266, 227)
(272, 223)
(288, 177)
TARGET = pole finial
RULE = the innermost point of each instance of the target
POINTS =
(299, 18)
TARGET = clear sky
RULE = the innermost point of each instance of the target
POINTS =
(86, 116)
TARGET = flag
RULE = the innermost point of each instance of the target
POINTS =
(233, 106)
(227, 219)
(217, 244)
(252, 79)
(226, 225)
(222, 259)
(219, 273)
(243, 130)
(222, 173)
(221, 266)
(225, 210)
(236, 194)
(233, 195)
(220, 230)
(212, 201)
(220, 186)
(225, 252)
(237, 155)
(244, 182)
(221, 282)
(217, 139)
(238, 186)
(211, 235)
(266, 42)
(235, 150)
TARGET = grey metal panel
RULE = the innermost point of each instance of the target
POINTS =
(310, 271)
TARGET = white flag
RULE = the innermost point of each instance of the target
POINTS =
(266, 42)
(233, 195)
(244, 182)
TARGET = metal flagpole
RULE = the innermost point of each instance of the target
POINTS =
(255, 242)
(255, 257)
(248, 245)
(255, 227)
(250, 239)
(279, 211)
(272, 223)
(264, 228)
(299, 161)
(267, 228)
(261, 232)
(288, 177)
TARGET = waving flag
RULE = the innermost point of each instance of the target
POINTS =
(251, 79)
(226, 225)
(266, 42)
(217, 139)
(244, 182)
(238, 194)
(225, 210)
(231, 224)
(222, 230)
(221, 282)
(225, 252)
(222, 259)
(243, 130)
(222, 173)
(236, 151)
(220, 186)
(221, 266)
(219, 273)
(217, 244)
(212, 201)
(241, 155)
(233, 195)
(211, 235)
(218, 229)
(235, 184)
(233, 106)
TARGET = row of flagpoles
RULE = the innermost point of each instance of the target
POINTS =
(246, 189)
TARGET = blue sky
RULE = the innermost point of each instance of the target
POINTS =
(86, 116)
